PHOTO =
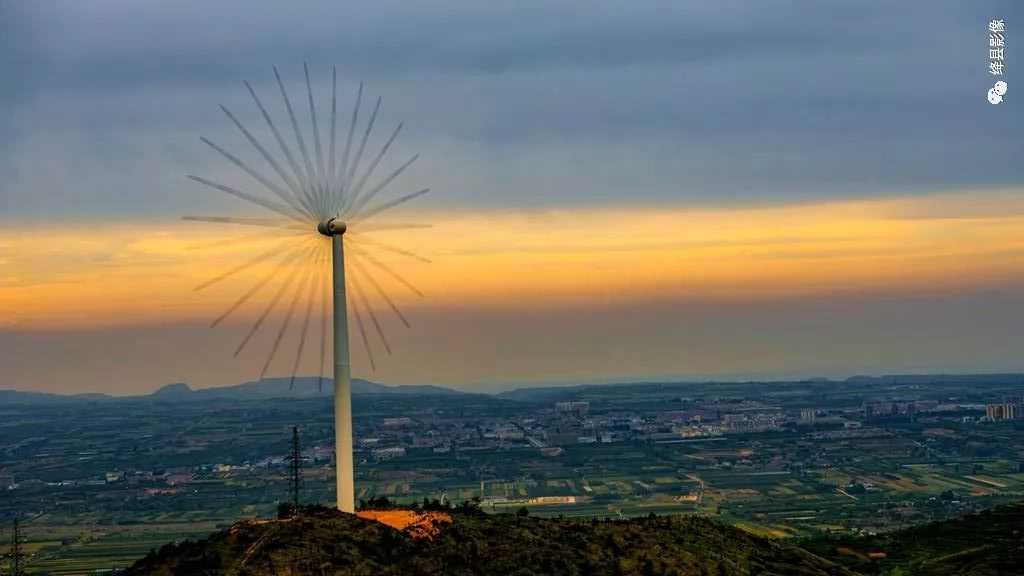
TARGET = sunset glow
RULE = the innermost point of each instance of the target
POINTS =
(128, 275)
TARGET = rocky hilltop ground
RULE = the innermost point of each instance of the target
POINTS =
(328, 542)
(465, 541)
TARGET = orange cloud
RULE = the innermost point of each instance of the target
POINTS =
(102, 275)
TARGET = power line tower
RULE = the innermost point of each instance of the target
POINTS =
(17, 556)
(295, 470)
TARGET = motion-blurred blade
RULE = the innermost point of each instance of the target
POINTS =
(266, 312)
(265, 222)
(362, 333)
(299, 187)
(245, 266)
(308, 174)
(342, 191)
(370, 258)
(359, 152)
(299, 290)
(316, 143)
(373, 316)
(354, 197)
(247, 239)
(294, 199)
(305, 321)
(389, 248)
(326, 295)
(382, 226)
(286, 264)
(380, 290)
(331, 163)
(392, 203)
(268, 204)
(354, 208)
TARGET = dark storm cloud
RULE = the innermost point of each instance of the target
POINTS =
(532, 105)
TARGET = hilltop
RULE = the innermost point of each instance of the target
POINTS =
(465, 541)
(983, 544)
(329, 542)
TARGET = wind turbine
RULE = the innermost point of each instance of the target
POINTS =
(324, 209)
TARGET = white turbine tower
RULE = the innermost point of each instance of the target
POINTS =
(317, 197)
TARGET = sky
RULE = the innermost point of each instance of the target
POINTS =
(619, 191)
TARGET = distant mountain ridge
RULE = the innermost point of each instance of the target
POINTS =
(304, 387)
(19, 397)
(553, 393)
(309, 387)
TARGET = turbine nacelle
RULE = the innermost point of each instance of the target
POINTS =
(332, 227)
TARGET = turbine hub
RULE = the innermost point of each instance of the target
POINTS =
(332, 227)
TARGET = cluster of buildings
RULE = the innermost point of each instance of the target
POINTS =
(562, 424)
(1004, 411)
(567, 423)
(552, 428)
(897, 408)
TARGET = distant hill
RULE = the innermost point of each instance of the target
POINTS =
(983, 544)
(176, 391)
(919, 379)
(554, 393)
(330, 542)
(305, 387)
(19, 397)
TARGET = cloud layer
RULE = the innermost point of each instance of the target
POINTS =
(534, 106)
(621, 189)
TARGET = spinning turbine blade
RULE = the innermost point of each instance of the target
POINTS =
(257, 176)
(298, 188)
(331, 156)
(268, 204)
(316, 143)
(266, 222)
(359, 152)
(296, 196)
(299, 290)
(286, 261)
(380, 290)
(362, 334)
(373, 165)
(390, 248)
(305, 321)
(308, 188)
(342, 184)
(266, 312)
(373, 317)
(377, 227)
(391, 204)
(326, 295)
(245, 239)
(354, 208)
(254, 261)
(369, 258)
